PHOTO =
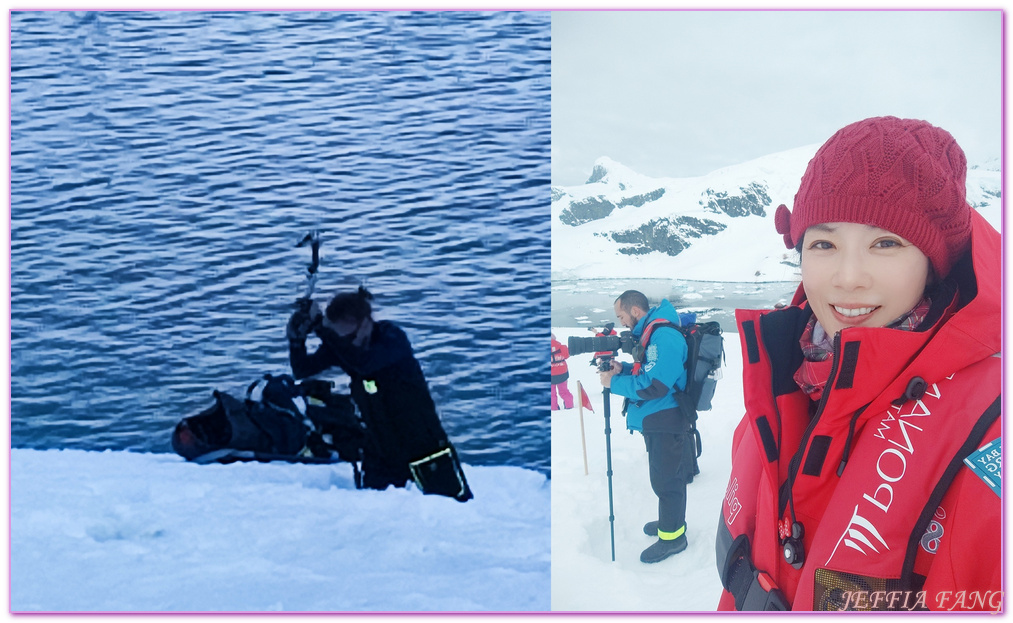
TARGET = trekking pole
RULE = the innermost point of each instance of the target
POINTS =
(608, 462)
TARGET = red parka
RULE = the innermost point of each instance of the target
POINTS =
(869, 487)
(560, 372)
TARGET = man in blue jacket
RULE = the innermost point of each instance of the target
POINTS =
(651, 408)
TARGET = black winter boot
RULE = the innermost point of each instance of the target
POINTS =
(662, 549)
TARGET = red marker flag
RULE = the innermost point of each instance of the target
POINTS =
(584, 400)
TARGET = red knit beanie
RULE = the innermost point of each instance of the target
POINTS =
(902, 175)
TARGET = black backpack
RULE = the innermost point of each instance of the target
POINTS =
(705, 352)
(279, 420)
(704, 358)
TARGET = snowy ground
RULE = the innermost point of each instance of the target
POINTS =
(584, 578)
(119, 531)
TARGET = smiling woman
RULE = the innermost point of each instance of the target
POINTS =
(872, 417)
(860, 275)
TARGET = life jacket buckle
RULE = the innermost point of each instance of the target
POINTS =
(753, 590)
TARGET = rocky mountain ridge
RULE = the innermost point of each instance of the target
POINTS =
(714, 227)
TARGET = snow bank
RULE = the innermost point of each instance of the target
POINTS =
(121, 531)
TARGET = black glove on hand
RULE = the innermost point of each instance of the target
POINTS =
(303, 321)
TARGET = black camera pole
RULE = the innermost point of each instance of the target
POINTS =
(607, 395)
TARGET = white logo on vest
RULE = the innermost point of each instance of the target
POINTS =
(861, 533)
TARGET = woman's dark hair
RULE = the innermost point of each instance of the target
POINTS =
(353, 305)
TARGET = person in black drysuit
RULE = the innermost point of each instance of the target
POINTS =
(388, 386)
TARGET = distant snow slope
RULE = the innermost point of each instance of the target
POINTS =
(717, 227)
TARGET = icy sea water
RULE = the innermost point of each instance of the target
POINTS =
(589, 302)
(164, 164)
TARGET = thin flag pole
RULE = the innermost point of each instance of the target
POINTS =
(580, 410)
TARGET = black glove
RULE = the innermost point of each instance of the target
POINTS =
(316, 444)
(303, 320)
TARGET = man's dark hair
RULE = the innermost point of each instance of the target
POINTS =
(632, 298)
(352, 305)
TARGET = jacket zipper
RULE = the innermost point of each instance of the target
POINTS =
(847, 442)
(796, 460)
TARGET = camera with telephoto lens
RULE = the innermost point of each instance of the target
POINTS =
(607, 344)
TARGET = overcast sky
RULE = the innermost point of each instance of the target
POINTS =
(682, 93)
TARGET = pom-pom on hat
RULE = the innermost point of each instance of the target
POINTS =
(903, 175)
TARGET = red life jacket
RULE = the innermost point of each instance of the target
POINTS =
(877, 470)
(559, 368)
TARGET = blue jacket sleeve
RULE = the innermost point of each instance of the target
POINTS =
(663, 369)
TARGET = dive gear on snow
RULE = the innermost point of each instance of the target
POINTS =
(278, 418)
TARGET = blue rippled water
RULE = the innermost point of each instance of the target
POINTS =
(164, 164)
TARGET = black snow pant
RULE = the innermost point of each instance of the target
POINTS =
(378, 473)
(669, 465)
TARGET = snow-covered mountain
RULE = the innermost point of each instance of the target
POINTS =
(717, 227)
